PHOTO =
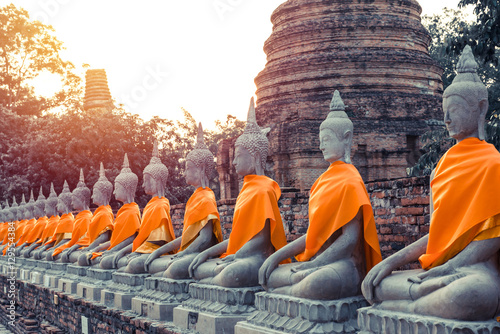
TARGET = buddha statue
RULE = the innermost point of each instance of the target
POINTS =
(341, 242)
(156, 227)
(21, 219)
(257, 226)
(29, 216)
(45, 241)
(9, 218)
(64, 228)
(39, 227)
(127, 222)
(101, 225)
(459, 278)
(6, 220)
(80, 202)
(201, 229)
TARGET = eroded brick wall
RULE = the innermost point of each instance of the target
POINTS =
(401, 209)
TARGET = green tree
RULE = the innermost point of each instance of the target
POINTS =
(445, 30)
(27, 49)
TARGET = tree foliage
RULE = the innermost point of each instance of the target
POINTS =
(27, 49)
(447, 31)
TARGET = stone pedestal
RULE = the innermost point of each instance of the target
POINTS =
(374, 321)
(53, 274)
(77, 270)
(125, 287)
(93, 283)
(285, 314)
(160, 296)
(214, 309)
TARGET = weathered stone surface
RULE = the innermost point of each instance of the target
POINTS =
(220, 300)
(373, 321)
(296, 315)
(375, 54)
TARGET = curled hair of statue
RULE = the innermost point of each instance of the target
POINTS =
(254, 139)
(126, 177)
(156, 169)
(201, 155)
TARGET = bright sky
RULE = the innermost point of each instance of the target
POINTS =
(161, 55)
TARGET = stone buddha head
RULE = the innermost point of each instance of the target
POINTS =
(9, 216)
(64, 200)
(13, 208)
(103, 189)
(40, 205)
(29, 208)
(199, 163)
(465, 101)
(252, 147)
(335, 133)
(20, 209)
(155, 175)
(125, 183)
(80, 199)
(51, 202)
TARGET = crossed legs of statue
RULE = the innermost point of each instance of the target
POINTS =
(333, 281)
(133, 263)
(471, 294)
(230, 272)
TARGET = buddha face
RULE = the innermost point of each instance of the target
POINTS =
(149, 185)
(39, 212)
(77, 203)
(332, 148)
(50, 209)
(61, 206)
(192, 174)
(243, 162)
(461, 121)
(120, 192)
(97, 197)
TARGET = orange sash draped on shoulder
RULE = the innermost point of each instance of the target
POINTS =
(28, 227)
(20, 229)
(336, 197)
(465, 192)
(16, 232)
(127, 222)
(199, 207)
(80, 226)
(65, 225)
(37, 230)
(156, 214)
(48, 233)
(101, 220)
(257, 202)
(4, 230)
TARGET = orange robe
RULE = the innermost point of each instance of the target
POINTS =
(127, 223)
(156, 226)
(465, 192)
(4, 230)
(102, 221)
(80, 226)
(336, 197)
(37, 230)
(48, 233)
(200, 208)
(63, 229)
(257, 202)
(28, 227)
(20, 229)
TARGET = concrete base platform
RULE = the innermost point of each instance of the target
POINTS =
(51, 281)
(89, 291)
(286, 314)
(76, 270)
(214, 309)
(36, 277)
(100, 274)
(206, 323)
(159, 297)
(46, 265)
(67, 285)
(125, 286)
(374, 321)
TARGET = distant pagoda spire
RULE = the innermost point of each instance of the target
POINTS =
(97, 93)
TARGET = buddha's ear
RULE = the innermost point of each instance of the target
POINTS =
(483, 109)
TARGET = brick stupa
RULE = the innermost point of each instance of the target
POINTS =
(97, 95)
(376, 54)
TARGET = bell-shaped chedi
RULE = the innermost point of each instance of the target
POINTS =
(97, 95)
(376, 53)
